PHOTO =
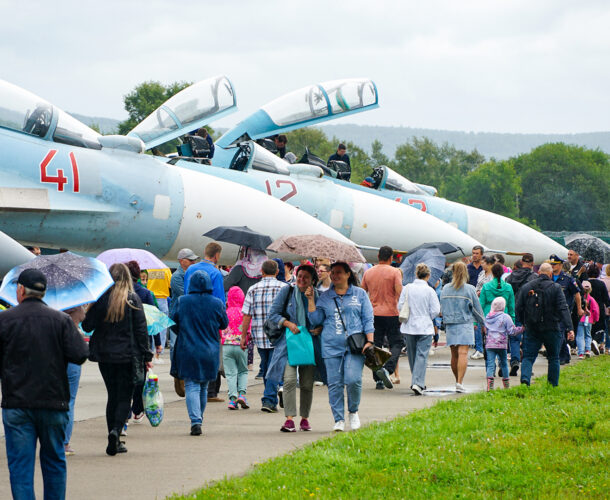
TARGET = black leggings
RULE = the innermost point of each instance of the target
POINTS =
(118, 378)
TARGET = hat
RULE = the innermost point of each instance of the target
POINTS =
(528, 257)
(33, 279)
(554, 259)
(586, 284)
(187, 253)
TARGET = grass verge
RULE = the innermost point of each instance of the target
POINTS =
(536, 442)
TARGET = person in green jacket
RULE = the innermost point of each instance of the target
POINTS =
(498, 288)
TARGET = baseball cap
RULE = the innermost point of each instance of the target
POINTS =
(554, 259)
(33, 279)
(586, 284)
(187, 253)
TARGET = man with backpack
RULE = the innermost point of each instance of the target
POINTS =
(542, 308)
(517, 279)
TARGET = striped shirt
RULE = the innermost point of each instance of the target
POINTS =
(258, 304)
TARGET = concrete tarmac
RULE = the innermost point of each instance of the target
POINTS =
(166, 459)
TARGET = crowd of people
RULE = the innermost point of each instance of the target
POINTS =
(316, 323)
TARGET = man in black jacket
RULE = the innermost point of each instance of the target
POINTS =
(517, 279)
(555, 313)
(36, 343)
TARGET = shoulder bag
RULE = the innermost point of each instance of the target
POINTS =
(403, 315)
(355, 341)
(271, 329)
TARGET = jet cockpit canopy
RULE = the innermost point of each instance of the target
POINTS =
(303, 107)
(188, 110)
(25, 112)
(386, 178)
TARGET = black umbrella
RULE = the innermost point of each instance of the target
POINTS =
(240, 235)
(444, 247)
(589, 247)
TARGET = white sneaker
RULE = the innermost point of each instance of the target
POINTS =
(477, 355)
(318, 383)
(354, 421)
(417, 389)
(459, 388)
(595, 347)
(339, 426)
(138, 419)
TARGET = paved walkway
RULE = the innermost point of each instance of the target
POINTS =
(167, 460)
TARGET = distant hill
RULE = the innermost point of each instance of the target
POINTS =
(106, 125)
(489, 144)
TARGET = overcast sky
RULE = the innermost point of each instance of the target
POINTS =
(497, 66)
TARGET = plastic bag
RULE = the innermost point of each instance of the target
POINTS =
(153, 399)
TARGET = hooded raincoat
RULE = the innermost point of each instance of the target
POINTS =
(235, 301)
(490, 291)
(199, 316)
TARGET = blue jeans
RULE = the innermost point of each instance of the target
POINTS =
(490, 362)
(22, 428)
(418, 348)
(478, 338)
(196, 398)
(265, 355)
(583, 338)
(344, 372)
(532, 342)
(73, 379)
(270, 394)
(514, 346)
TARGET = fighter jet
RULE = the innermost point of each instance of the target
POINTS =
(368, 220)
(325, 101)
(64, 185)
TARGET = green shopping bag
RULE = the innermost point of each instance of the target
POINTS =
(300, 348)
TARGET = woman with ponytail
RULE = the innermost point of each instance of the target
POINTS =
(119, 344)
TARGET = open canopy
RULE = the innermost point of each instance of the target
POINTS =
(306, 106)
(189, 109)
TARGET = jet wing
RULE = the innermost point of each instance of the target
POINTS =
(188, 110)
(307, 106)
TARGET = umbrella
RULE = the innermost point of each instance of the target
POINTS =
(434, 259)
(316, 245)
(72, 280)
(444, 247)
(240, 235)
(156, 320)
(144, 258)
(589, 247)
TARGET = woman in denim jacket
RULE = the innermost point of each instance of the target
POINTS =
(460, 308)
(343, 310)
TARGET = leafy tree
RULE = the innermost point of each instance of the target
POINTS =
(144, 99)
(493, 186)
(377, 156)
(565, 187)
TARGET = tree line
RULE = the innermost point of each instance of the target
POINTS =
(554, 187)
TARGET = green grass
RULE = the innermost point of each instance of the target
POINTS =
(536, 442)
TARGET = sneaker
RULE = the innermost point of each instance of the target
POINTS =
(121, 448)
(280, 396)
(383, 374)
(243, 402)
(588, 354)
(318, 383)
(354, 421)
(196, 430)
(138, 419)
(68, 450)
(304, 425)
(595, 347)
(267, 408)
(339, 426)
(288, 426)
(581, 356)
(124, 430)
(514, 368)
(417, 390)
(477, 355)
(233, 405)
(379, 385)
(460, 388)
(113, 443)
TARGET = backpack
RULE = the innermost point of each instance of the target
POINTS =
(535, 305)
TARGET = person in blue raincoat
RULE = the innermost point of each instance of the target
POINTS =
(343, 310)
(199, 317)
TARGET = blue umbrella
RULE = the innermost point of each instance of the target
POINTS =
(432, 257)
(156, 320)
(72, 280)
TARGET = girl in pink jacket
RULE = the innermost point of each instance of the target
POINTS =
(591, 316)
(234, 358)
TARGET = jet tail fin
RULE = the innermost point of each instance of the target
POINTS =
(12, 254)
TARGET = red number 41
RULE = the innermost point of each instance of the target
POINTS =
(59, 179)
